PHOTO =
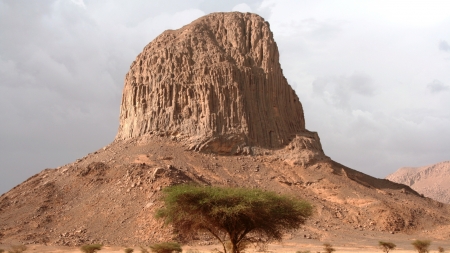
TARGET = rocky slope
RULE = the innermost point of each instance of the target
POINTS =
(208, 103)
(432, 181)
(110, 196)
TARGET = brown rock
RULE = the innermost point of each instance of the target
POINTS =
(431, 181)
(227, 94)
(216, 84)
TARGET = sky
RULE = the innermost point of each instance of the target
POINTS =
(373, 76)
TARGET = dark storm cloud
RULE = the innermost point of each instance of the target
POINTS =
(444, 46)
(437, 86)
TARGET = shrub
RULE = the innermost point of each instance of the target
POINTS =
(128, 250)
(91, 248)
(165, 247)
(2, 250)
(144, 250)
(421, 245)
(17, 249)
(386, 246)
(441, 250)
(328, 248)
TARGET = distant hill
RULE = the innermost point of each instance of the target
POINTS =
(432, 181)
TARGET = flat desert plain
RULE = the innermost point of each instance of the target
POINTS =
(345, 243)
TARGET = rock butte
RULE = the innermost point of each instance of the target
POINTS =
(216, 84)
(213, 86)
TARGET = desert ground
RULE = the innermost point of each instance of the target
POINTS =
(209, 104)
(352, 242)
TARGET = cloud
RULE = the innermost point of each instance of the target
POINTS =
(62, 68)
(444, 46)
(339, 90)
(79, 3)
(437, 86)
(320, 29)
(243, 7)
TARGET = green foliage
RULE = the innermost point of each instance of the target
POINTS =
(237, 215)
(166, 247)
(91, 248)
(421, 245)
(441, 250)
(128, 250)
(17, 249)
(386, 246)
(328, 248)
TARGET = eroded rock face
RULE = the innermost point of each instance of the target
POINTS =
(215, 83)
(431, 181)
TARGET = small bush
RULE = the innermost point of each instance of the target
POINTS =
(441, 250)
(2, 250)
(165, 247)
(386, 246)
(328, 248)
(91, 248)
(144, 250)
(17, 249)
(128, 250)
(421, 245)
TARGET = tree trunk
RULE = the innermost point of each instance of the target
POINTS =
(234, 248)
(234, 245)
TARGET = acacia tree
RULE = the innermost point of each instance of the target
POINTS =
(421, 245)
(234, 215)
(386, 246)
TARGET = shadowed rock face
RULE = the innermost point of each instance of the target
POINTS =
(216, 84)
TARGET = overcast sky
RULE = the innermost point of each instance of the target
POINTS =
(373, 76)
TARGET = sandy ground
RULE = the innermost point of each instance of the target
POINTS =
(352, 244)
(203, 249)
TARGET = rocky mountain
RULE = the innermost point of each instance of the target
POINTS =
(215, 84)
(432, 181)
(208, 103)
